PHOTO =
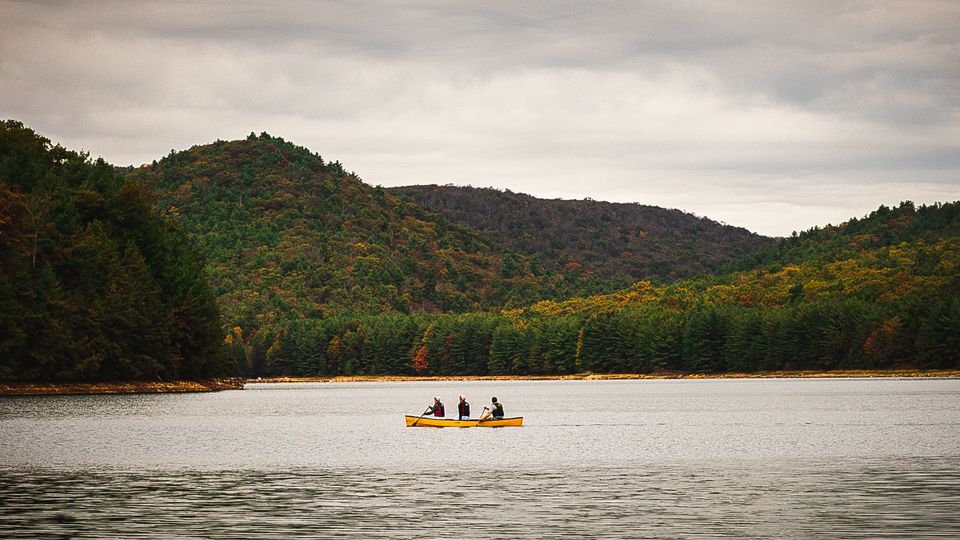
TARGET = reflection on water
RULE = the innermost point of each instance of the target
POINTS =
(627, 459)
(866, 500)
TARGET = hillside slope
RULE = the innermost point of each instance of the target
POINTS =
(893, 304)
(624, 242)
(877, 292)
(289, 236)
(885, 226)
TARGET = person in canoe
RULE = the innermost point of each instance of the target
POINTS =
(463, 409)
(436, 409)
(495, 410)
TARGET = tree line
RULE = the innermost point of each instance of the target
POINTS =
(827, 334)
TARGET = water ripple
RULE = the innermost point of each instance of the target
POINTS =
(748, 499)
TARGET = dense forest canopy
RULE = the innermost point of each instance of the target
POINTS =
(883, 227)
(842, 305)
(290, 236)
(94, 284)
(622, 243)
(317, 273)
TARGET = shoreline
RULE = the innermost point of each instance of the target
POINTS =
(130, 387)
(839, 374)
(217, 385)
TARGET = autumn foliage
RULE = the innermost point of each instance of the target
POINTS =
(614, 243)
(289, 235)
(420, 363)
(891, 306)
(124, 276)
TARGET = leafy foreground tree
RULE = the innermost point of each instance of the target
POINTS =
(94, 285)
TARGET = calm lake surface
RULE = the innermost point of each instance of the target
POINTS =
(616, 459)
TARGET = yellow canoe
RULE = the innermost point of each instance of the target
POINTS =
(432, 421)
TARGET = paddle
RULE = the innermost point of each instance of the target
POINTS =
(421, 416)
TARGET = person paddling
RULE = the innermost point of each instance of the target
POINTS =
(436, 409)
(463, 408)
(495, 410)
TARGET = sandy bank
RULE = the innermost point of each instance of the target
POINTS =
(625, 376)
(134, 387)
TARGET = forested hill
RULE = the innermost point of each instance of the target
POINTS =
(627, 242)
(94, 285)
(884, 226)
(290, 236)
(893, 305)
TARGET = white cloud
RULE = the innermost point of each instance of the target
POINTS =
(770, 116)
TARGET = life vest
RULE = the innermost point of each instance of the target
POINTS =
(438, 410)
(464, 409)
(497, 411)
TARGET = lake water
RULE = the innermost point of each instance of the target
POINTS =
(615, 459)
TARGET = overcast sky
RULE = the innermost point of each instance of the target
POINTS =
(769, 117)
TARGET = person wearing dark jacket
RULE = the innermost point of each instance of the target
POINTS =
(463, 409)
(436, 409)
(495, 410)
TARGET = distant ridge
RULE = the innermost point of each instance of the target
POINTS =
(621, 241)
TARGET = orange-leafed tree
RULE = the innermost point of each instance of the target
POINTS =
(420, 363)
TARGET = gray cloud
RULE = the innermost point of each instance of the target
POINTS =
(768, 116)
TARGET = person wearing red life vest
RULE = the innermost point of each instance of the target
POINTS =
(463, 409)
(436, 409)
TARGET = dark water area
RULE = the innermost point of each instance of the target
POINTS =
(864, 458)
